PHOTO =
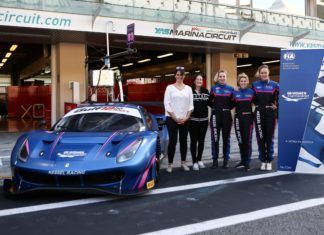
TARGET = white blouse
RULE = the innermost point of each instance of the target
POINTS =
(180, 102)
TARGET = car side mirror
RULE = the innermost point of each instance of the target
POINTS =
(160, 123)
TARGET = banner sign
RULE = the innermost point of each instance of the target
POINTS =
(301, 113)
(86, 23)
(130, 34)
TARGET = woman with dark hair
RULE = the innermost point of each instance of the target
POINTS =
(221, 118)
(243, 121)
(178, 105)
(198, 121)
(266, 105)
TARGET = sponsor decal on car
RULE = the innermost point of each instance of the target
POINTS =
(105, 109)
(70, 172)
(150, 184)
(71, 154)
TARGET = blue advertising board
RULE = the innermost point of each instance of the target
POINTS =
(301, 113)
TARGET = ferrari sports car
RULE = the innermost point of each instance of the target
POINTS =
(114, 148)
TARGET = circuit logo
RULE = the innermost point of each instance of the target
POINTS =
(289, 55)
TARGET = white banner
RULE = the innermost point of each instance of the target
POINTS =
(63, 21)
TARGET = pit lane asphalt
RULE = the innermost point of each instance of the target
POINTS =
(149, 213)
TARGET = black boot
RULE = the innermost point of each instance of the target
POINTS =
(215, 164)
(225, 164)
(247, 167)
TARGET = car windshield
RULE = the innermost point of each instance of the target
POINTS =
(99, 122)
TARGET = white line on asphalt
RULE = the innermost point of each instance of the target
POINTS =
(215, 183)
(5, 157)
(79, 202)
(49, 206)
(241, 218)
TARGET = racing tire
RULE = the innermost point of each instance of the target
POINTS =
(8, 188)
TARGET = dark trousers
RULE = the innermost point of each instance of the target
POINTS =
(221, 122)
(173, 129)
(243, 125)
(265, 123)
(197, 130)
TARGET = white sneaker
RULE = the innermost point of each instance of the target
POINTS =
(269, 166)
(263, 166)
(201, 164)
(169, 168)
(195, 167)
(185, 167)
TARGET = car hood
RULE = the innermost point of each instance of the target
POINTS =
(78, 146)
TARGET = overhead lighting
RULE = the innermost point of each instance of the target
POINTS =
(114, 68)
(197, 71)
(157, 76)
(126, 65)
(169, 75)
(271, 62)
(8, 54)
(186, 72)
(143, 61)
(1, 64)
(13, 47)
(4, 60)
(165, 55)
(244, 65)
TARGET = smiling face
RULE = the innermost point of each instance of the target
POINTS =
(264, 74)
(243, 82)
(179, 76)
(222, 78)
(198, 82)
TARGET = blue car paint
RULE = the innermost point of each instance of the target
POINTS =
(136, 172)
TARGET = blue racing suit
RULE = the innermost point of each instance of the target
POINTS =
(221, 118)
(266, 94)
(243, 122)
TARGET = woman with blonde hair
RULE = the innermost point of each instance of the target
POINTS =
(243, 120)
(266, 105)
(221, 118)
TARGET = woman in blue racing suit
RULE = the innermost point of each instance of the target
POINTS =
(265, 116)
(243, 120)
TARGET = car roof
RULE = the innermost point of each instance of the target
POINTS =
(117, 104)
(112, 108)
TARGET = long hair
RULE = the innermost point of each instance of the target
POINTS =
(264, 66)
(217, 74)
(193, 85)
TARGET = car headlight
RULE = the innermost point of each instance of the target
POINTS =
(24, 151)
(127, 153)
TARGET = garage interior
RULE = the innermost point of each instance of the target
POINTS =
(25, 68)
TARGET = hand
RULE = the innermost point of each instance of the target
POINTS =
(181, 121)
(273, 106)
(236, 88)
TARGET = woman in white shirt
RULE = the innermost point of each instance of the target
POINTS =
(178, 105)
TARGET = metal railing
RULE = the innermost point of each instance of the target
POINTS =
(210, 9)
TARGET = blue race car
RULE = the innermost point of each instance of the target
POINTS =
(114, 148)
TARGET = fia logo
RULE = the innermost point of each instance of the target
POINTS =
(289, 55)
